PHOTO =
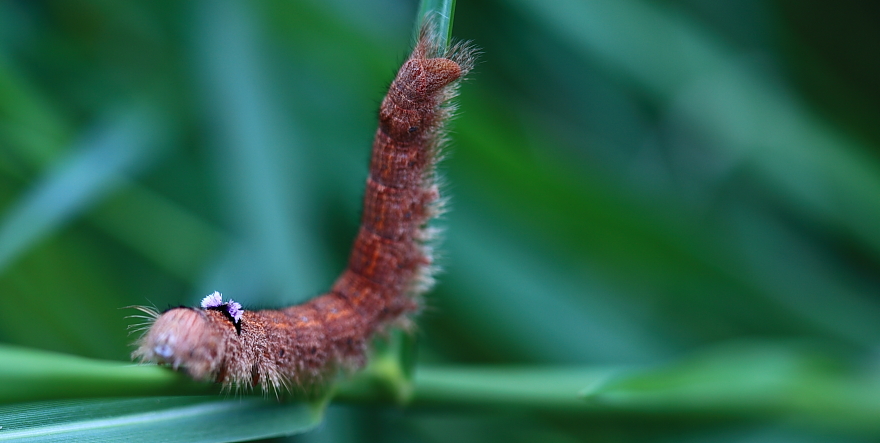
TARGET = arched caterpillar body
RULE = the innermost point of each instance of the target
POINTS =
(389, 265)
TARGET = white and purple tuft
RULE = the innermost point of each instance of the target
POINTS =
(215, 301)
(235, 310)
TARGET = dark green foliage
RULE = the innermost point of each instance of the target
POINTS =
(664, 225)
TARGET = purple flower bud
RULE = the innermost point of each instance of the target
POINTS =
(212, 301)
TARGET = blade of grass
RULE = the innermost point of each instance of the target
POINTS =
(31, 375)
(441, 12)
(264, 168)
(636, 244)
(769, 381)
(169, 234)
(585, 321)
(820, 172)
(27, 118)
(115, 150)
(167, 419)
(759, 380)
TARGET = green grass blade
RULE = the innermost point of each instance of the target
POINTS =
(743, 380)
(636, 241)
(267, 174)
(768, 381)
(167, 419)
(32, 375)
(820, 171)
(442, 12)
(145, 220)
(542, 388)
(98, 166)
(764, 381)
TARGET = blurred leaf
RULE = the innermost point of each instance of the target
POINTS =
(267, 187)
(145, 221)
(101, 165)
(632, 180)
(819, 170)
(764, 381)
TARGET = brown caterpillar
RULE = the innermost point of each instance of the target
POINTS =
(389, 266)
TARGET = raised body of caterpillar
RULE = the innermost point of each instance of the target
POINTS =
(389, 266)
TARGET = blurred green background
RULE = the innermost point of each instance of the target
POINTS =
(631, 182)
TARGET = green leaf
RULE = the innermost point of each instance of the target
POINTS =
(167, 419)
(543, 388)
(827, 175)
(267, 188)
(101, 164)
(802, 384)
(441, 12)
(30, 375)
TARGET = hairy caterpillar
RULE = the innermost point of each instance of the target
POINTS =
(389, 265)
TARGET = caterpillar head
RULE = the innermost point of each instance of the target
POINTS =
(183, 338)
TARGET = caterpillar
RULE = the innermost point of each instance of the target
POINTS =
(389, 267)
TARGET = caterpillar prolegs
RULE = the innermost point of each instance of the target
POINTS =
(389, 267)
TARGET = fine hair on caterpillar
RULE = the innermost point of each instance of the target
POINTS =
(389, 267)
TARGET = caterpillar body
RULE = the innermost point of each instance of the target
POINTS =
(389, 266)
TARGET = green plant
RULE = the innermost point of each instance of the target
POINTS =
(663, 220)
